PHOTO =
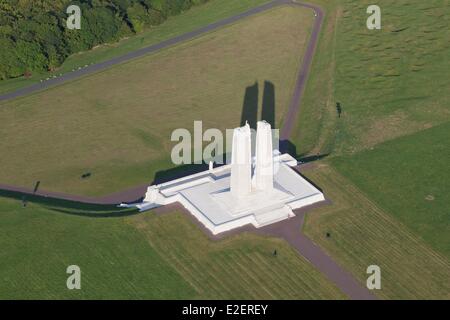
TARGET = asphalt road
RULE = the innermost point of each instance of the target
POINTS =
(294, 105)
(140, 52)
(137, 192)
(287, 229)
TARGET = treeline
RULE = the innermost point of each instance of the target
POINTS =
(34, 36)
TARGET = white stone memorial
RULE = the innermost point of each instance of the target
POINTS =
(241, 162)
(231, 196)
(264, 170)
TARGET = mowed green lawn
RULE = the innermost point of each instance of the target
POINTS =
(390, 82)
(39, 244)
(117, 124)
(194, 18)
(389, 199)
(363, 234)
(410, 178)
(143, 256)
(390, 143)
(393, 87)
(239, 267)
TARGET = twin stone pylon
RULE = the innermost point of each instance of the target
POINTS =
(241, 162)
(241, 182)
(263, 178)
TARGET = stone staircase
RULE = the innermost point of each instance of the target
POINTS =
(273, 215)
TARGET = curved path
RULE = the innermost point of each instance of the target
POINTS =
(150, 49)
(135, 193)
(287, 229)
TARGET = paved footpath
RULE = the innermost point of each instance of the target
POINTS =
(287, 229)
(143, 51)
(136, 193)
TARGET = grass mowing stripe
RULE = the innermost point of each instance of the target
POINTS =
(51, 241)
(363, 234)
(234, 262)
(235, 267)
(255, 275)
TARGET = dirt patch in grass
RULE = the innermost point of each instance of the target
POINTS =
(390, 127)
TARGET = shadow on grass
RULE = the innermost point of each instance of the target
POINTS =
(249, 114)
(312, 158)
(268, 103)
(97, 214)
(286, 146)
(70, 207)
(178, 172)
(250, 106)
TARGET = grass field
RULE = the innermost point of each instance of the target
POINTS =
(143, 256)
(317, 117)
(118, 123)
(389, 82)
(387, 172)
(409, 177)
(192, 19)
(392, 84)
(391, 141)
(241, 267)
(363, 234)
(38, 245)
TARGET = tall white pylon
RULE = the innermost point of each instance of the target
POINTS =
(241, 162)
(263, 178)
